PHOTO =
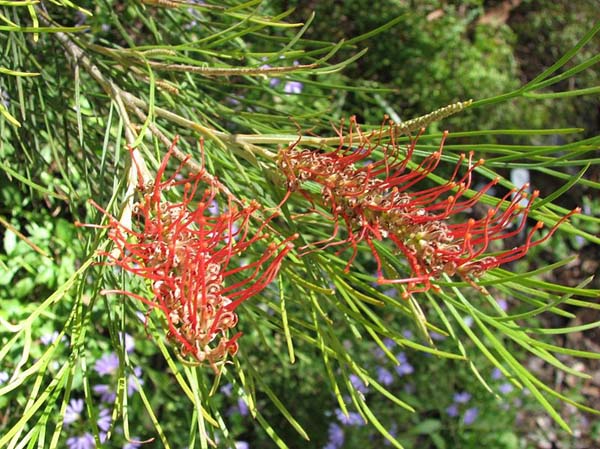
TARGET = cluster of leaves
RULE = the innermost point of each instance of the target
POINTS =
(82, 82)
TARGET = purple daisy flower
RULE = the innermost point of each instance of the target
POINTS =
(48, 339)
(497, 374)
(462, 398)
(384, 376)
(503, 304)
(226, 389)
(404, 368)
(352, 419)
(242, 407)
(132, 445)
(358, 384)
(73, 411)
(107, 364)
(132, 385)
(85, 441)
(128, 341)
(436, 336)
(336, 437)
(470, 416)
(104, 419)
(452, 410)
(293, 87)
(105, 392)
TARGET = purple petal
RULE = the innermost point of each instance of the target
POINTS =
(497, 374)
(470, 416)
(293, 87)
(226, 389)
(107, 364)
(132, 445)
(462, 397)
(452, 410)
(358, 384)
(404, 369)
(73, 411)
(242, 407)
(352, 419)
(336, 436)
(132, 385)
(85, 441)
(104, 420)
(384, 376)
(128, 341)
(105, 392)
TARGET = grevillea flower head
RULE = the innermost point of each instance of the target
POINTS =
(381, 200)
(186, 249)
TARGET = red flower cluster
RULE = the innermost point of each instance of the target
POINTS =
(378, 200)
(184, 250)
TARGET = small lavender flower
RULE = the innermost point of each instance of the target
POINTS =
(358, 384)
(391, 292)
(462, 398)
(404, 368)
(132, 385)
(226, 389)
(273, 82)
(505, 388)
(407, 333)
(352, 419)
(132, 445)
(470, 416)
(85, 441)
(4, 98)
(503, 304)
(497, 374)
(242, 407)
(452, 410)
(213, 209)
(336, 437)
(4, 376)
(384, 376)
(104, 420)
(73, 411)
(468, 320)
(48, 339)
(389, 343)
(379, 353)
(128, 341)
(242, 445)
(107, 364)
(393, 431)
(105, 392)
(436, 336)
(293, 87)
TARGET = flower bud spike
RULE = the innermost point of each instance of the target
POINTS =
(380, 200)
